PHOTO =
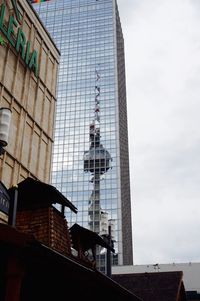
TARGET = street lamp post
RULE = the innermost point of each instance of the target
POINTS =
(5, 117)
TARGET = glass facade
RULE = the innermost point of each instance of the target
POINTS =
(90, 157)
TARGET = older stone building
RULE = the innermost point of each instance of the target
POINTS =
(28, 74)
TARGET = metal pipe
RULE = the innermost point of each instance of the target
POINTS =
(108, 254)
(13, 206)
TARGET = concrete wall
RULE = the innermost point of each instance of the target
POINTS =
(32, 100)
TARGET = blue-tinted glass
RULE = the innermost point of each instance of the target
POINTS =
(88, 167)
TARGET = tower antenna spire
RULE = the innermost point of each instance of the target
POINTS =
(96, 161)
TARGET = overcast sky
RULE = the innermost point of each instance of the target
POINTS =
(162, 44)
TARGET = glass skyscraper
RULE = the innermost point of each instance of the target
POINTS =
(90, 158)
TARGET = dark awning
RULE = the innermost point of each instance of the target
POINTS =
(87, 238)
(36, 194)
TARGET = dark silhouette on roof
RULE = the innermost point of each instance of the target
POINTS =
(84, 240)
(87, 239)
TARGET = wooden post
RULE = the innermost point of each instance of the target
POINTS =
(14, 276)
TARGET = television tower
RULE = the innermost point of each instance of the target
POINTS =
(96, 161)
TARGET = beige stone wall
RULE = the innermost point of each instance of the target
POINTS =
(32, 101)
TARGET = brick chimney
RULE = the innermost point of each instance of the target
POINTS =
(48, 226)
(36, 214)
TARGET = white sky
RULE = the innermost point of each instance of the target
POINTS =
(162, 44)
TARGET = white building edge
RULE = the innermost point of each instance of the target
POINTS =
(191, 272)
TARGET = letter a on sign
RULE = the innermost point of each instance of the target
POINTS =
(14, 3)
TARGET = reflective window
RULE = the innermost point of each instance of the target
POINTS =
(86, 170)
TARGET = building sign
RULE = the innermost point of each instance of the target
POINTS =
(17, 14)
(2, 41)
(4, 199)
(17, 38)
